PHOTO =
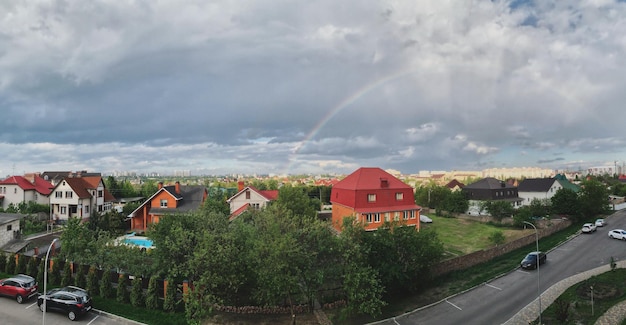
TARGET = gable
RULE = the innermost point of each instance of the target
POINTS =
(536, 185)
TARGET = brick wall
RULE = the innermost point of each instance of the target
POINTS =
(469, 260)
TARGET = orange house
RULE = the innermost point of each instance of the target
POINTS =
(373, 196)
(167, 200)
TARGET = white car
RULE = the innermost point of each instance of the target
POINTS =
(425, 219)
(588, 228)
(618, 234)
(600, 223)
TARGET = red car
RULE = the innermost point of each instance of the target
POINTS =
(19, 287)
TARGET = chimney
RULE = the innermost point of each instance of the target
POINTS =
(160, 185)
(177, 187)
(239, 186)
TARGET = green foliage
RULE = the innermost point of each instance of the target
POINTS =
(152, 295)
(106, 288)
(40, 273)
(432, 196)
(565, 202)
(22, 262)
(523, 213)
(31, 268)
(169, 305)
(593, 199)
(498, 209)
(3, 261)
(137, 298)
(540, 207)
(148, 188)
(79, 276)
(66, 277)
(455, 202)
(54, 276)
(497, 237)
(92, 281)
(122, 290)
(9, 267)
(198, 305)
(31, 226)
(296, 200)
(216, 202)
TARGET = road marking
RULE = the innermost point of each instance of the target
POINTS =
(30, 305)
(395, 321)
(455, 306)
(93, 320)
(523, 272)
(492, 286)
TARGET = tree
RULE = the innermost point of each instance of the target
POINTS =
(522, 214)
(92, 281)
(54, 275)
(497, 237)
(297, 201)
(31, 268)
(152, 296)
(22, 262)
(498, 209)
(3, 261)
(66, 277)
(169, 304)
(106, 288)
(565, 202)
(455, 202)
(79, 276)
(10, 265)
(136, 294)
(122, 292)
(540, 207)
(593, 199)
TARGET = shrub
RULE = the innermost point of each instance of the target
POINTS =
(40, 272)
(136, 294)
(22, 262)
(106, 289)
(54, 276)
(92, 281)
(152, 295)
(170, 297)
(122, 293)
(497, 237)
(79, 276)
(3, 260)
(31, 268)
(9, 268)
(66, 277)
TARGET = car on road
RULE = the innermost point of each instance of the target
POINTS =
(588, 228)
(425, 219)
(618, 234)
(20, 287)
(600, 222)
(73, 301)
(530, 261)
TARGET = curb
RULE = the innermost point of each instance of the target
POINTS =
(119, 319)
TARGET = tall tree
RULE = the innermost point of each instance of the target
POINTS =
(565, 202)
(297, 201)
(498, 209)
(594, 199)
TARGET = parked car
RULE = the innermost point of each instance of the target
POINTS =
(600, 222)
(588, 228)
(425, 219)
(20, 287)
(530, 261)
(73, 301)
(618, 234)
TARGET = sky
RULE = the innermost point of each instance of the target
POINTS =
(310, 87)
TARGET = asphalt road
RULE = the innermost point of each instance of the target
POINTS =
(28, 313)
(498, 300)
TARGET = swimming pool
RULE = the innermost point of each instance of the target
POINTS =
(139, 241)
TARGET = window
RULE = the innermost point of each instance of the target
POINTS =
(399, 196)
(58, 194)
(86, 209)
(396, 216)
(376, 217)
(256, 206)
(406, 216)
(247, 195)
(164, 203)
(63, 210)
(371, 198)
(368, 218)
(9, 227)
(68, 194)
(412, 214)
(15, 190)
(100, 193)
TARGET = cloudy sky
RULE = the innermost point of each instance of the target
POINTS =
(324, 86)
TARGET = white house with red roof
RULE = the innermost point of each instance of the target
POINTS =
(79, 197)
(249, 197)
(28, 188)
(373, 196)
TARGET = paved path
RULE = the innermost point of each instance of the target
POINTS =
(615, 315)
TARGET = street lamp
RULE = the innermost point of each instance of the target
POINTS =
(538, 288)
(45, 279)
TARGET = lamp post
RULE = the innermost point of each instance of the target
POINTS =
(538, 288)
(45, 279)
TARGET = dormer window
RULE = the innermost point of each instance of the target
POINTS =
(399, 196)
(371, 198)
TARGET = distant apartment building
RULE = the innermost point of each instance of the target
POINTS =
(604, 170)
(518, 172)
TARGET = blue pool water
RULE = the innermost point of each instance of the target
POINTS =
(141, 242)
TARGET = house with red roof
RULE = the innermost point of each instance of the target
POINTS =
(28, 188)
(79, 197)
(168, 200)
(249, 197)
(373, 197)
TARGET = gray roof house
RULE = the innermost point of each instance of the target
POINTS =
(490, 189)
(538, 188)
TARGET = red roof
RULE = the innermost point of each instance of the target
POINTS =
(366, 178)
(238, 211)
(40, 185)
(270, 194)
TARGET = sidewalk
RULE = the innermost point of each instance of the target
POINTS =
(613, 316)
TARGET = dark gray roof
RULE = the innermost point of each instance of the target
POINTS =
(489, 183)
(189, 199)
(9, 217)
(535, 184)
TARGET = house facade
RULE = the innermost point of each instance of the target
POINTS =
(490, 189)
(169, 199)
(79, 197)
(249, 197)
(537, 188)
(23, 189)
(373, 196)
(9, 227)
